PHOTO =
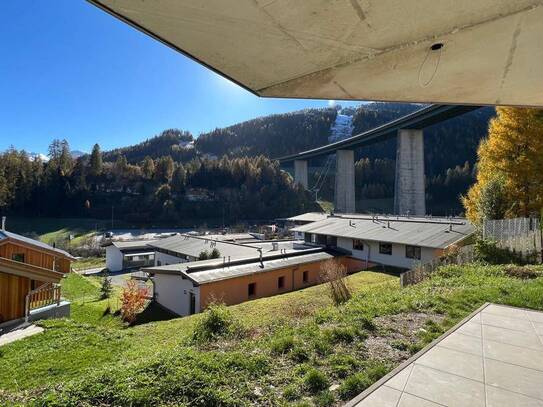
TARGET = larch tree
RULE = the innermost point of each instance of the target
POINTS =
(510, 167)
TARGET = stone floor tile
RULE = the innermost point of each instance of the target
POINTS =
(445, 388)
(516, 324)
(455, 362)
(515, 355)
(470, 328)
(399, 380)
(382, 397)
(463, 343)
(535, 316)
(496, 397)
(408, 400)
(517, 338)
(505, 311)
(514, 378)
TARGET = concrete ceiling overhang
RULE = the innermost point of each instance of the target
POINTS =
(492, 50)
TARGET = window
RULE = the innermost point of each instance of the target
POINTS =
(158, 263)
(281, 282)
(20, 257)
(385, 248)
(305, 276)
(412, 252)
(358, 244)
(252, 289)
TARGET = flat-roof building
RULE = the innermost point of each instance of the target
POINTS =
(188, 288)
(123, 255)
(186, 248)
(397, 241)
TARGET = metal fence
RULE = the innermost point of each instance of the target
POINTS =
(460, 255)
(520, 235)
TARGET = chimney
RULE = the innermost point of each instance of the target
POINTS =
(3, 223)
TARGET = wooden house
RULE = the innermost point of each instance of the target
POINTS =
(29, 275)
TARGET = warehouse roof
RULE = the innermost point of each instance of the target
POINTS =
(194, 245)
(5, 235)
(208, 271)
(309, 217)
(425, 232)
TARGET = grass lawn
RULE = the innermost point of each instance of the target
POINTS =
(51, 230)
(284, 350)
(89, 263)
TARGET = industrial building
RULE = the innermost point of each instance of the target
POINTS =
(397, 241)
(188, 288)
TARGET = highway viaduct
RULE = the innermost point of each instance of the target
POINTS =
(409, 188)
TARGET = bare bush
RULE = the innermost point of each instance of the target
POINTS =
(334, 274)
(133, 300)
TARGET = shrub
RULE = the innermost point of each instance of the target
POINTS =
(105, 288)
(300, 353)
(215, 254)
(325, 398)
(282, 344)
(217, 321)
(291, 392)
(340, 334)
(315, 380)
(334, 274)
(133, 300)
(204, 255)
(354, 385)
(488, 251)
(343, 365)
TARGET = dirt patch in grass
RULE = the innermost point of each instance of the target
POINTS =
(398, 336)
(523, 272)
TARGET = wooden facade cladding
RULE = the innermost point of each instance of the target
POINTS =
(13, 290)
(34, 256)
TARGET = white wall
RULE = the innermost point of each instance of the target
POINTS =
(114, 258)
(172, 292)
(166, 259)
(397, 259)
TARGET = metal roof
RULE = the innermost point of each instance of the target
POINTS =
(222, 272)
(447, 51)
(131, 244)
(4, 234)
(194, 245)
(425, 232)
(308, 217)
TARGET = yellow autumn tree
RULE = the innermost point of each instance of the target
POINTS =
(509, 168)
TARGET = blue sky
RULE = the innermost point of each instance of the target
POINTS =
(68, 70)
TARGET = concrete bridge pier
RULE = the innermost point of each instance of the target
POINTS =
(409, 189)
(300, 172)
(344, 192)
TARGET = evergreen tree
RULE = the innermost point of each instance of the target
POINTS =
(179, 179)
(148, 168)
(96, 164)
(106, 287)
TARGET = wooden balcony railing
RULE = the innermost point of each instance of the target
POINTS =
(44, 295)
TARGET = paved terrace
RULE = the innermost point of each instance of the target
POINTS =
(492, 358)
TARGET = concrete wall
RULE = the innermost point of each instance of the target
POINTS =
(114, 258)
(166, 259)
(344, 195)
(172, 292)
(409, 188)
